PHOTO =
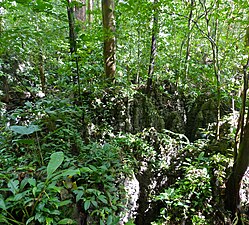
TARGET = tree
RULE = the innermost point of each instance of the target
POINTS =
(241, 159)
(109, 38)
(153, 45)
(73, 42)
(89, 11)
(80, 11)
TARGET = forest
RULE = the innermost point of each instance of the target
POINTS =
(124, 112)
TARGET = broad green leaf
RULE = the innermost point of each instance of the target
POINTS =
(30, 220)
(32, 181)
(85, 169)
(56, 160)
(95, 203)
(23, 183)
(87, 204)
(20, 196)
(2, 204)
(25, 130)
(13, 186)
(79, 195)
(67, 221)
(102, 198)
(64, 173)
(24, 141)
(62, 203)
(109, 220)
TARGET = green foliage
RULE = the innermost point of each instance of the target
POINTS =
(63, 151)
(46, 194)
(25, 130)
(191, 198)
(28, 195)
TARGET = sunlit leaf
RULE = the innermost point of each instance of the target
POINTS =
(56, 160)
(66, 221)
(25, 130)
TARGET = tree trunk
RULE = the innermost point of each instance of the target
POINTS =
(73, 44)
(241, 157)
(109, 38)
(232, 199)
(71, 23)
(213, 39)
(90, 11)
(190, 27)
(80, 12)
(153, 46)
(41, 72)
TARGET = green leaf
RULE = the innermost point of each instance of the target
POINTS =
(66, 221)
(109, 220)
(56, 160)
(34, 191)
(65, 202)
(23, 183)
(87, 204)
(32, 181)
(13, 185)
(3, 220)
(130, 222)
(102, 198)
(30, 220)
(24, 2)
(2, 204)
(95, 203)
(85, 169)
(79, 195)
(20, 196)
(49, 220)
(64, 173)
(25, 130)
(24, 141)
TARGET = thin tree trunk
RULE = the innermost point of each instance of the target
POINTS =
(71, 23)
(213, 38)
(187, 57)
(73, 44)
(41, 72)
(241, 159)
(90, 11)
(80, 13)
(109, 38)
(153, 46)
(138, 56)
(232, 199)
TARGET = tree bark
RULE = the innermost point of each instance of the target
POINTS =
(232, 199)
(73, 44)
(109, 38)
(241, 157)
(187, 56)
(90, 11)
(71, 23)
(41, 72)
(80, 12)
(153, 41)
